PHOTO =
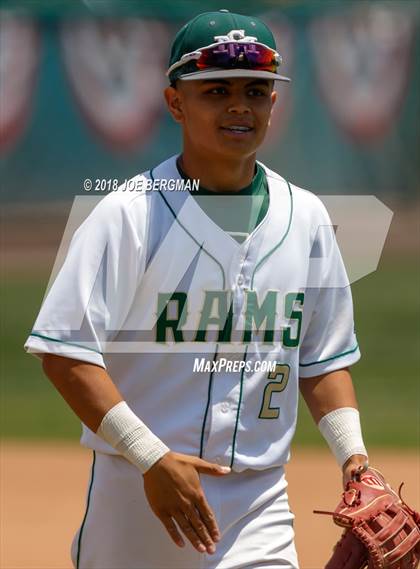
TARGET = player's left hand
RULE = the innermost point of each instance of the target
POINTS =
(381, 530)
(355, 462)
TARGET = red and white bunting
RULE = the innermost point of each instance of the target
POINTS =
(362, 59)
(19, 64)
(116, 69)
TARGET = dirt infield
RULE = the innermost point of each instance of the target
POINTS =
(43, 488)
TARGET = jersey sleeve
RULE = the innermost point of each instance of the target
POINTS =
(93, 292)
(329, 342)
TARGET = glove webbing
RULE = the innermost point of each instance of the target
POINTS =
(364, 532)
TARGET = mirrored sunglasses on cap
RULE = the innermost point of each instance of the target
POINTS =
(239, 54)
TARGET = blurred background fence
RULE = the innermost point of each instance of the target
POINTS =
(81, 97)
(81, 93)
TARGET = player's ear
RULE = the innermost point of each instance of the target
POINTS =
(273, 100)
(174, 103)
(273, 97)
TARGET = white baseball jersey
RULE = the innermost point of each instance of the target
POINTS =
(204, 337)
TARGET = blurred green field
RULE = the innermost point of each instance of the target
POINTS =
(387, 378)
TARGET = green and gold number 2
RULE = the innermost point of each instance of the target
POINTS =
(281, 377)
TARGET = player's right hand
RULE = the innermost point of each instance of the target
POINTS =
(173, 490)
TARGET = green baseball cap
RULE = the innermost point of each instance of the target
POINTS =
(251, 40)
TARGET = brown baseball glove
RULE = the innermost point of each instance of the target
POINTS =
(381, 530)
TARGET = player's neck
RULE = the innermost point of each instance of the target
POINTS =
(221, 175)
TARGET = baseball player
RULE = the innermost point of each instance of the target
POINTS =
(183, 323)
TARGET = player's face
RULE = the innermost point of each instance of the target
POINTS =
(226, 117)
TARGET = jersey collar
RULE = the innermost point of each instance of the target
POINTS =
(267, 237)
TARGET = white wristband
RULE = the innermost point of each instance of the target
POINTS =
(125, 432)
(342, 431)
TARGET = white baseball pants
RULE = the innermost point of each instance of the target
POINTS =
(120, 531)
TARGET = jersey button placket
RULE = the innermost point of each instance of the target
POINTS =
(222, 417)
(239, 282)
(224, 408)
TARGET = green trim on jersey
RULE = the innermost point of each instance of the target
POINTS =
(64, 342)
(210, 385)
(251, 189)
(190, 234)
(332, 357)
(247, 213)
(238, 411)
(281, 240)
(79, 541)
